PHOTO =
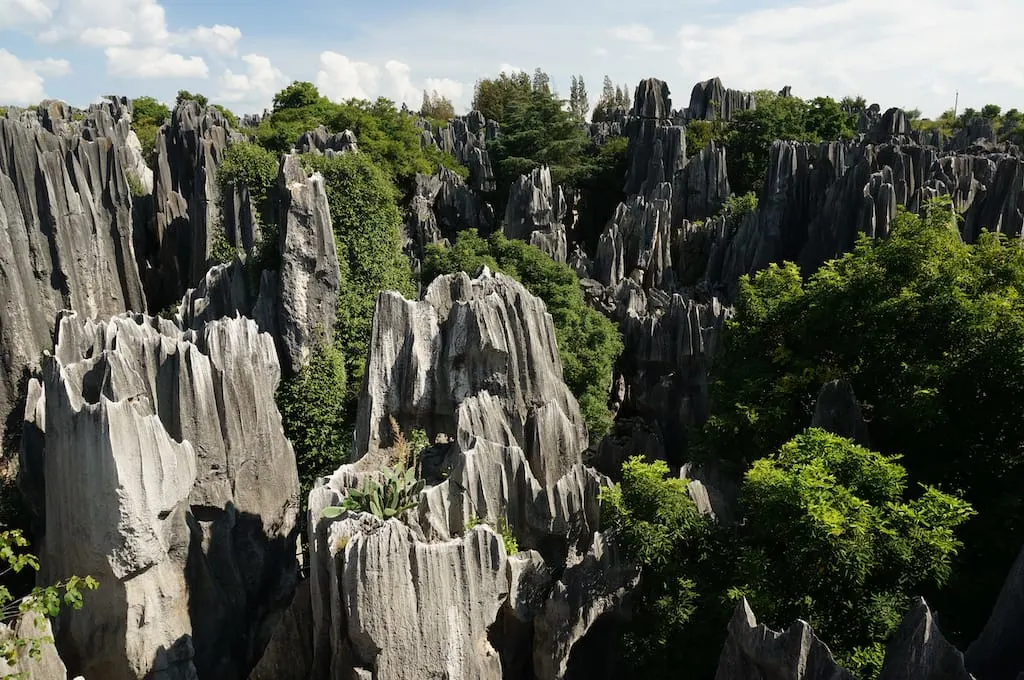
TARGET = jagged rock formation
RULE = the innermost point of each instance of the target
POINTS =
(321, 140)
(637, 242)
(165, 474)
(65, 241)
(700, 190)
(838, 411)
(917, 650)
(657, 149)
(297, 305)
(711, 100)
(48, 666)
(187, 198)
(536, 212)
(465, 138)
(997, 654)
(475, 364)
(442, 206)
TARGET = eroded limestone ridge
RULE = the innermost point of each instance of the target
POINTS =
(160, 467)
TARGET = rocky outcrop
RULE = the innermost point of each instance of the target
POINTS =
(47, 665)
(917, 650)
(441, 207)
(997, 654)
(475, 364)
(637, 243)
(322, 141)
(297, 304)
(310, 277)
(66, 241)
(753, 651)
(166, 475)
(657, 149)
(536, 212)
(700, 190)
(838, 411)
(466, 138)
(187, 202)
(711, 100)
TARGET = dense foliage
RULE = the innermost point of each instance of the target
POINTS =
(494, 97)
(930, 332)
(612, 97)
(367, 228)
(588, 342)
(147, 116)
(828, 535)
(388, 135)
(436, 107)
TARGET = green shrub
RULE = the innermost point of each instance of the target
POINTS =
(312, 405)
(588, 343)
(399, 492)
(222, 251)
(148, 115)
(367, 229)
(135, 184)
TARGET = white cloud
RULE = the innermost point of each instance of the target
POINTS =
(217, 39)
(341, 78)
(153, 62)
(20, 12)
(404, 91)
(253, 90)
(447, 87)
(51, 67)
(634, 33)
(102, 37)
(907, 60)
(510, 69)
(22, 84)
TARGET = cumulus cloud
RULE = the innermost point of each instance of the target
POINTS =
(23, 12)
(217, 39)
(827, 48)
(96, 36)
(341, 78)
(22, 83)
(446, 87)
(51, 67)
(254, 89)
(153, 62)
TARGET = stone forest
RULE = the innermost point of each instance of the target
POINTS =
(727, 390)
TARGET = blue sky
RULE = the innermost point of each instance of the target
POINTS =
(912, 53)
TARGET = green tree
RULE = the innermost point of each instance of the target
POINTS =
(298, 95)
(541, 81)
(148, 115)
(185, 96)
(367, 228)
(588, 343)
(827, 121)
(39, 603)
(579, 102)
(831, 537)
(930, 332)
(651, 517)
(494, 96)
(251, 166)
(313, 411)
(754, 131)
(437, 107)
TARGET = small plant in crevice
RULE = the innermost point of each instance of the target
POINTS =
(502, 528)
(221, 251)
(398, 493)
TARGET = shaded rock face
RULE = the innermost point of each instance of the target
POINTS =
(48, 666)
(321, 140)
(838, 412)
(443, 205)
(465, 138)
(65, 241)
(637, 243)
(711, 100)
(298, 304)
(166, 475)
(916, 650)
(187, 201)
(657, 149)
(997, 654)
(700, 190)
(536, 212)
(474, 363)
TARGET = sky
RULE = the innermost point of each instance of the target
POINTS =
(909, 53)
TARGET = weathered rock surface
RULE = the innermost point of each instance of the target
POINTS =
(310, 277)
(65, 242)
(166, 475)
(474, 363)
(465, 138)
(657, 149)
(637, 242)
(442, 206)
(187, 201)
(711, 100)
(536, 213)
(918, 650)
(838, 411)
(321, 140)
(754, 651)
(997, 653)
(48, 666)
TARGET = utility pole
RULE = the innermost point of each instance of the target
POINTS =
(956, 103)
